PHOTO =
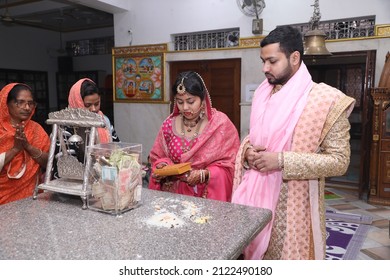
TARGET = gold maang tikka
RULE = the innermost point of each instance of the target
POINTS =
(181, 89)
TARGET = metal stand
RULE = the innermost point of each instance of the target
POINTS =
(73, 176)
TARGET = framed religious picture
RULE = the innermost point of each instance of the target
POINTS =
(138, 73)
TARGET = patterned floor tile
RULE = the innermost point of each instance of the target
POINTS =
(377, 243)
(363, 205)
(380, 236)
(385, 213)
(370, 243)
(364, 212)
(384, 223)
(379, 253)
(346, 206)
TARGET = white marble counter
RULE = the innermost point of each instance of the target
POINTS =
(164, 226)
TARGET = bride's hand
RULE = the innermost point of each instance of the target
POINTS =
(159, 177)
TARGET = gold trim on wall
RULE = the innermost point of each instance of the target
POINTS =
(382, 30)
(253, 42)
(154, 48)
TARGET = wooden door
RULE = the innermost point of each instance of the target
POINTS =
(353, 74)
(222, 79)
(367, 109)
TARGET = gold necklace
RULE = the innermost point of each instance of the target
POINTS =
(184, 147)
(15, 123)
(190, 124)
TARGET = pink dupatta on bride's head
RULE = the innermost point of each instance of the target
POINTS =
(216, 145)
(207, 100)
(272, 124)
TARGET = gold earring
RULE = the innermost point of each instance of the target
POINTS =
(202, 114)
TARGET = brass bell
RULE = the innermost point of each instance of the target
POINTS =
(315, 43)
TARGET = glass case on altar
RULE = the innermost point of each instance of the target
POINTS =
(115, 177)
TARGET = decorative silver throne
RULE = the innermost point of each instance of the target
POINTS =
(72, 179)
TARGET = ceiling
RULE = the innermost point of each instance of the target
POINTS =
(55, 15)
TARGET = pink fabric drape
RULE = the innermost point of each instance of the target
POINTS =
(272, 123)
(76, 101)
(215, 149)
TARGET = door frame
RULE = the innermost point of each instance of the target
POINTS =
(204, 68)
(368, 57)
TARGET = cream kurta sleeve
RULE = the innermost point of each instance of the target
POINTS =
(332, 158)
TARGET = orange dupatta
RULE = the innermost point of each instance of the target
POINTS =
(76, 101)
(11, 187)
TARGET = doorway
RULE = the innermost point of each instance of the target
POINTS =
(222, 79)
(353, 74)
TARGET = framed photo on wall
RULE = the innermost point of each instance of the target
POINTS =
(139, 73)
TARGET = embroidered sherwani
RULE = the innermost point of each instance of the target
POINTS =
(317, 147)
(295, 212)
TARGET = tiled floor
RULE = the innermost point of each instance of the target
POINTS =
(377, 243)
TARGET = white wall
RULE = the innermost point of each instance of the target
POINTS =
(27, 48)
(153, 22)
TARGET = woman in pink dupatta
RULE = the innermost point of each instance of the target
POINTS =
(196, 133)
(85, 94)
(299, 134)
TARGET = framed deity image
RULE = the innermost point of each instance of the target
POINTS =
(138, 73)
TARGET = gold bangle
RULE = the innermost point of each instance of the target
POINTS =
(207, 176)
(201, 176)
(281, 160)
(245, 163)
(38, 156)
